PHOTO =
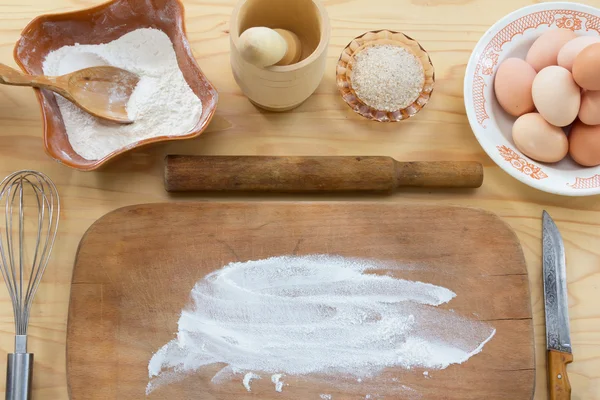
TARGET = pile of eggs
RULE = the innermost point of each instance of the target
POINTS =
(556, 87)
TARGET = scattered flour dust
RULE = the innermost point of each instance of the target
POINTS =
(162, 103)
(321, 314)
(276, 379)
(248, 378)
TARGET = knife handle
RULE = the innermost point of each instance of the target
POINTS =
(558, 381)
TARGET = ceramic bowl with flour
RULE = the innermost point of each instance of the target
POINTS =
(173, 100)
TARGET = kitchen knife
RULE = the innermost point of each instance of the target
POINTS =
(558, 336)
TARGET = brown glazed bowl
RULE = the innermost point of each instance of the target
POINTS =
(98, 25)
(374, 38)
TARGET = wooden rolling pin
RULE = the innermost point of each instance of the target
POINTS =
(314, 174)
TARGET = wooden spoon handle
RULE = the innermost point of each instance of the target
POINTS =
(313, 174)
(10, 76)
(559, 386)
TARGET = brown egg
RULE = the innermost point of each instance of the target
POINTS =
(544, 51)
(586, 67)
(512, 85)
(589, 112)
(539, 140)
(584, 142)
(556, 95)
(569, 51)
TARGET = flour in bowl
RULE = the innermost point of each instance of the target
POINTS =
(162, 103)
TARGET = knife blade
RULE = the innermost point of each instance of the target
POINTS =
(558, 335)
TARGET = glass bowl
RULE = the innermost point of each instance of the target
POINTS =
(382, 37)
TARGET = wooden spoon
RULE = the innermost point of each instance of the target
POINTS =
(101, 91)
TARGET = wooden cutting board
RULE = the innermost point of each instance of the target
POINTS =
(136, 266)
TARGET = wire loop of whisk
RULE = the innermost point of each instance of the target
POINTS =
(20, 194)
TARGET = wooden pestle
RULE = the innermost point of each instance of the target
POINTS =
(314, 174)
(265, 47)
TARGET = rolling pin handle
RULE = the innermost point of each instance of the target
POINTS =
(439, 174)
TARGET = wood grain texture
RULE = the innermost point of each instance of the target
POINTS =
(136, 266)
(314, 174)
(558, 380)
(323, 125)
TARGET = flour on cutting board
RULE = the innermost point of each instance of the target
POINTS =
(276, 379)
(248, 378)
(321, 314)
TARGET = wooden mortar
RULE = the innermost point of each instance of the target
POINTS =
(281, 88)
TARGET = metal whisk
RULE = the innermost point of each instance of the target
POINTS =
(26, 196)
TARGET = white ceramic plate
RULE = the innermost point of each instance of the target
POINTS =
(511, 37)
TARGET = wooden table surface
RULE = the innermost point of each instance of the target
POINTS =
(323, 125)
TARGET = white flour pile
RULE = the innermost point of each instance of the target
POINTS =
(162, 104)
(314, 315)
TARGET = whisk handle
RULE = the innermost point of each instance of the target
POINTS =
(19, 374)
